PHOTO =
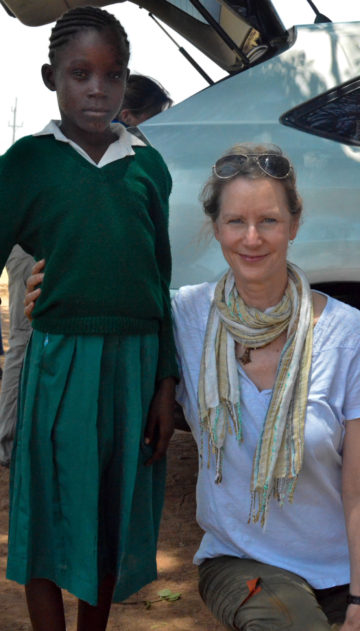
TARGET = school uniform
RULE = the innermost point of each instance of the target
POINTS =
(83, 503)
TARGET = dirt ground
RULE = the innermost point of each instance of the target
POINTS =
(179, 538)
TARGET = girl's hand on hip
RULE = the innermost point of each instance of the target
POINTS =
(160, 425)
(32, 290)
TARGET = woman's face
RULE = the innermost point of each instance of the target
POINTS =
(254, 227)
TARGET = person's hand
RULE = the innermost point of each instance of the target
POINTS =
(160, 425)
(352, 620)
(32, 290)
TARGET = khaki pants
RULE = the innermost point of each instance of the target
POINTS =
(18, 266)
(246, 595)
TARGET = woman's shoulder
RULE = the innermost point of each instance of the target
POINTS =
(190, 309)
(336, 309)
(194, 296)
(319, 304)
(337, 321)
(192, 302)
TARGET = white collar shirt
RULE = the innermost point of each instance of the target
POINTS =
(117, 150)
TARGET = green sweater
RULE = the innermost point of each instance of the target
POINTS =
(103, 233)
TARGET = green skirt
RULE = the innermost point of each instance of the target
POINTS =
(83, 504)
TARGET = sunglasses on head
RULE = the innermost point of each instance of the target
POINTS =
(272, 164)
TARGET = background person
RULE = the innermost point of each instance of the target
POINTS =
(144, 98)
(98, 381)
(18, 266)
(271, 389)
(1, 344)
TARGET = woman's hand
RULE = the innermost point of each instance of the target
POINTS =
(352, 620)
(351, 500)
(160, 425)
(32, 290)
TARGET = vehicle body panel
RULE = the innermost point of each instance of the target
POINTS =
(247, 107)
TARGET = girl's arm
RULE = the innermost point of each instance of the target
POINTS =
(160, 426)
(351, 500)
(159, 213)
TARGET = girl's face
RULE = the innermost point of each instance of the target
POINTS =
(89, 76)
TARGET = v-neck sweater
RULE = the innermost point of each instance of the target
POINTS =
(103, 233)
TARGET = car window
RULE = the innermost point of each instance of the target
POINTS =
(210, 5)
(334, 114)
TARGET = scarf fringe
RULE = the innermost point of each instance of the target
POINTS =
(282, 489)
(233, 420)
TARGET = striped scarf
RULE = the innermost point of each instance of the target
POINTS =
(279, 452)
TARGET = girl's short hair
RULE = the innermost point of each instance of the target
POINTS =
(145, 95)
(211, 193)
(81, 18)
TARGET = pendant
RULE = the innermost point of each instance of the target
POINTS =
(246, 357)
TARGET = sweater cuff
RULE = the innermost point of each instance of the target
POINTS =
(167, 364)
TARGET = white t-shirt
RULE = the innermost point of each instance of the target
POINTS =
(308, 536)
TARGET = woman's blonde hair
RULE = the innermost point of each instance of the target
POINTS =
(211, 193)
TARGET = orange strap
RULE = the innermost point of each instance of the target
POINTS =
(254, 588)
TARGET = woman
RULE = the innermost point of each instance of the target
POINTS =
(271, 389)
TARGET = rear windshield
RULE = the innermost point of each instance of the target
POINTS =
(334, 114)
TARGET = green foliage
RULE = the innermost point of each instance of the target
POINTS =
(167, 594)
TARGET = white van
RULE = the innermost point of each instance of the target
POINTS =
(298, 88)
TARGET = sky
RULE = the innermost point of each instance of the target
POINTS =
(23, 50)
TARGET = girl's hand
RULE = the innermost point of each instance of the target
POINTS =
(352, 620)
(32, 291)
(160, 425)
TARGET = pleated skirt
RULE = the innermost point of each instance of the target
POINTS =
(83, 504)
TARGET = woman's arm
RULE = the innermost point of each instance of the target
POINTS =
(33, 290)
(351, 500)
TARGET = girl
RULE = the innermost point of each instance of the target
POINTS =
(100, 369)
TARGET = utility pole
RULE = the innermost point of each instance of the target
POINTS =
(13, 124)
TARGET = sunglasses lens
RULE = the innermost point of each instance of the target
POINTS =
(271, 163)
(275, 166)
(228, 166)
